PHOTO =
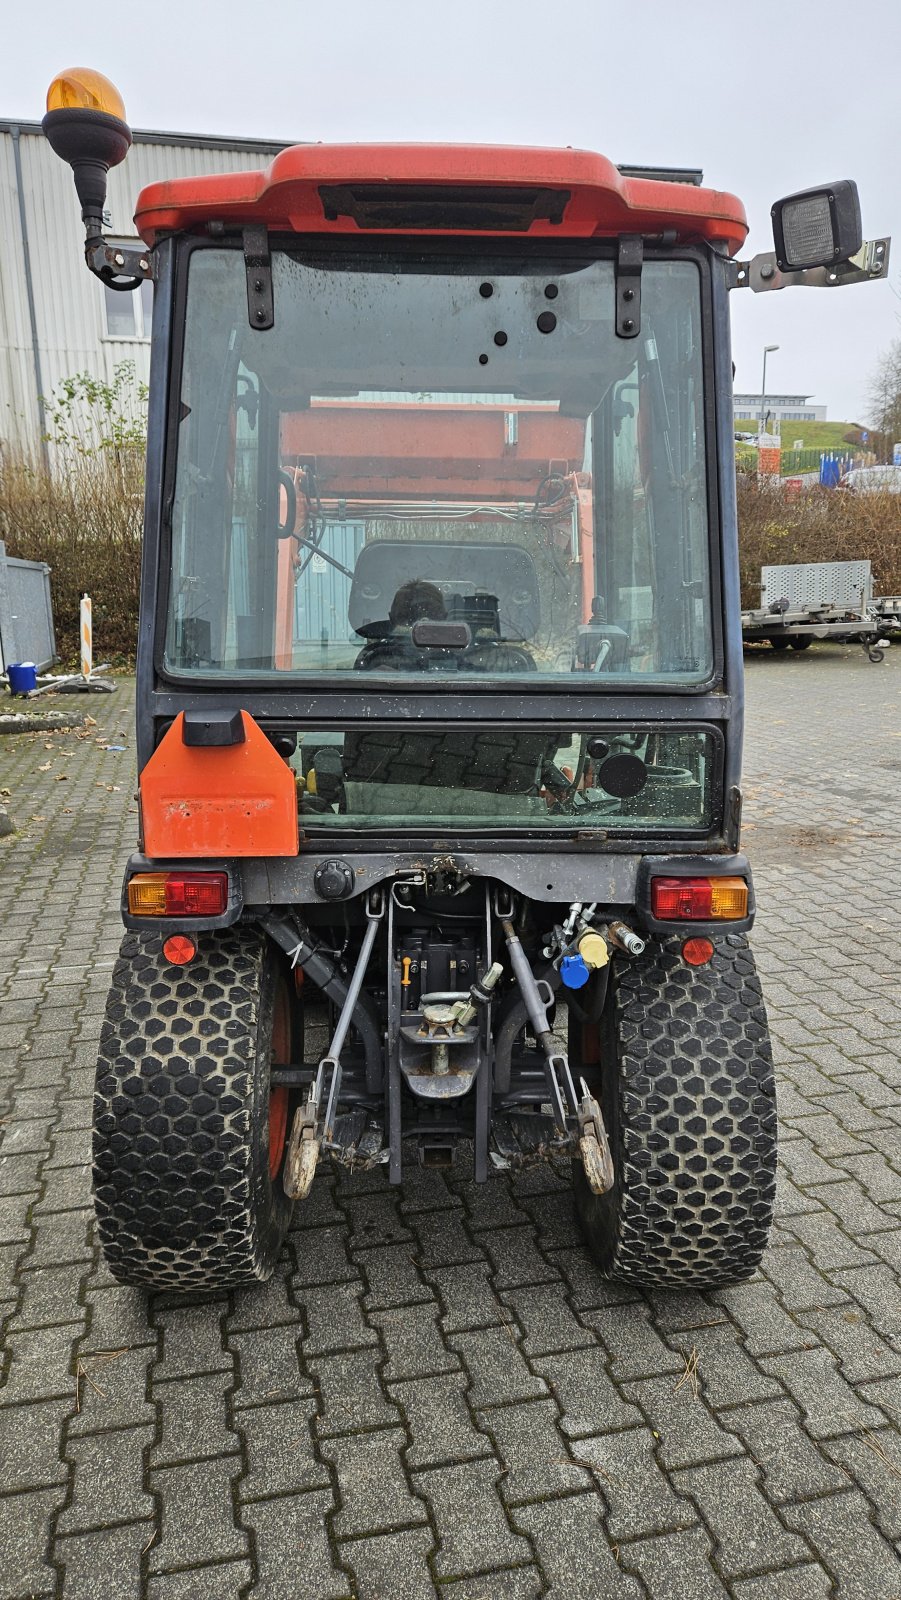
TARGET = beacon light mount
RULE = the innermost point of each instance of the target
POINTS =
(85, 125)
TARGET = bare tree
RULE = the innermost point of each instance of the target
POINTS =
(885, 399)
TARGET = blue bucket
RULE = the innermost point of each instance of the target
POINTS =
(23, 677)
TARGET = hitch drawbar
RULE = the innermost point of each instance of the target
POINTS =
(568, 1112)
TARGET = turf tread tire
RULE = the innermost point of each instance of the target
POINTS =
(182, 1191)
(688, 1096)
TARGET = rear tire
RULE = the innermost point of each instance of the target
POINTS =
(188, 1145)
(681, 1064)
(780, 644)
(802, 641)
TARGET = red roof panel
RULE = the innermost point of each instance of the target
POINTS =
(286, 196)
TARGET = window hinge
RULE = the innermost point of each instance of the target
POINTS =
(257, 262)
(629, 258)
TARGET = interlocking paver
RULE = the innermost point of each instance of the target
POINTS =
(495, 1364)
(40, 1363)
(197, 1503)
(535, 1457)
(278, 1445)
(468, 1298)
(106, 1561)
(639, 1494)
(793, 1467)
(533, 1384)
(193, 1421)
(293, 1555)
(840, 1529)
(25, 1541)
(862, 1353)
(108, 1481)
(376, 1564)
(829, 1404)
(392, 1276)
(873, 1460)
(413, 1342)
(590, 1402)
(30, 1445)
(749, 1536)
(335, 1320)
(726, 1374)
(351, 1393)
(569, 1538)
(470, 1519)
(374, 1491)
(676, 1566)
(440, 1422)
(268, 1365)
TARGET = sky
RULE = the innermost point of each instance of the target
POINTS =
(766, 99)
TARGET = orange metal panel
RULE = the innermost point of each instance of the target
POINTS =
(600, 200)
(220, 800)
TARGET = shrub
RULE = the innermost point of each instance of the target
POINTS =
(775, 527)
(83, 513)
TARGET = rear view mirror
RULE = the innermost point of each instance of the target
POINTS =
(817, 226)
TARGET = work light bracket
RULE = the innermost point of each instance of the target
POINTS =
(763, 273)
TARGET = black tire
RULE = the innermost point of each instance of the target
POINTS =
(183, 1191)
(780, 644)
(685, 1082)
(802, 641)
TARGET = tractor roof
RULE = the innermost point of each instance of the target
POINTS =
(492, 190)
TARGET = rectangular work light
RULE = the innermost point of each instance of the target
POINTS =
(817, 226)
(178, 894)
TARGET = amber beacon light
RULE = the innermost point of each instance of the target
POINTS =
(85, 124)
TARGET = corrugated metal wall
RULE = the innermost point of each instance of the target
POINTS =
(68, 300)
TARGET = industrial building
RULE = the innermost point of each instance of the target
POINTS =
(57, 320)
(779, 408)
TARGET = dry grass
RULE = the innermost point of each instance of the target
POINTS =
(817, 525)
(85, 522)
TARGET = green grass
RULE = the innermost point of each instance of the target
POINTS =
(815, 435)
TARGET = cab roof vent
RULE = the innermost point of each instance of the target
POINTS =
(452, 208)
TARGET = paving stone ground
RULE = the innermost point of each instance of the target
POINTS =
(468, 1410)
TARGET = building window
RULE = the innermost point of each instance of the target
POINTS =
(127, 314)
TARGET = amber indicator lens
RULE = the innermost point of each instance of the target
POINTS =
(699, 899)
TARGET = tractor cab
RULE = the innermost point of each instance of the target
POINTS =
(439, 695)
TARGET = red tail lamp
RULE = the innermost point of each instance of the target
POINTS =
(178, 894)
(180, 948)
(699, 899)
(697, 952)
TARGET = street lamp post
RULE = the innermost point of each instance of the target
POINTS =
(767, 350)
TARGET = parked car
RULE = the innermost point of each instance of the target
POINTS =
(873, 480)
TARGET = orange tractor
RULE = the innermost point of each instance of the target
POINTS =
(439, 696)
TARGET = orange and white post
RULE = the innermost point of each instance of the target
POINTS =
(87, 637)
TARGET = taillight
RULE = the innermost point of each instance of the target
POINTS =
(178, 894)
(699, 899)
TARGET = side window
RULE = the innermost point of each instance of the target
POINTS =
(128, 314)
